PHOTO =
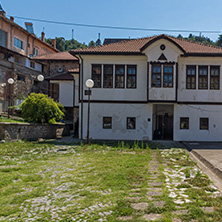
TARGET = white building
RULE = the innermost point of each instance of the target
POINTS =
(151, 88)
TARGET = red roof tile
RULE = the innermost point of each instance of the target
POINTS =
(136, 46)
(57, 56)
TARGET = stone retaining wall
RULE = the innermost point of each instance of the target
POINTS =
(32, 131)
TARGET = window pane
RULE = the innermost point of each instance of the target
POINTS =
(203, 71)
(107, 122)
(156, 68)
(191, 77)
(131, 123)
(18, 43)
(191, 70)
(108, 76)
(168, 76)
(204, 123)
(156, 75)
(131, 76)
(131, 70)
(3, 38)
(96, 69)
(119, 76)
(108, 69)
(184, 123)
(120, 70)
(96, 75)
(214, 77)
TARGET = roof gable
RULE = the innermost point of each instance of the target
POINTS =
(162, 37)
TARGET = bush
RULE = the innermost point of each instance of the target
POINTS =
(39, 108)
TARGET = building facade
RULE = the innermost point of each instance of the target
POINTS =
(152, 88)
(62, 70)
(18, 47)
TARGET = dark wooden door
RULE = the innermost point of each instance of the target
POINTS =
(168, 128)
(164, 127)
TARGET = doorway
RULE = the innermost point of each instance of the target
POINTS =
(162, 122)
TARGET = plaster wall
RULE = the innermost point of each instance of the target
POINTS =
(119, 114)
(195, 112)
(137, 94)
(66, 93)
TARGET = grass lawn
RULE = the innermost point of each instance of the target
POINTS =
(6, 120)
(48, 182)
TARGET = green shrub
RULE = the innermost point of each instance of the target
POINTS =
(39, 108)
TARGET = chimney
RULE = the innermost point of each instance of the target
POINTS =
(29, 27)
(54, 43)
(43, 36)
(12, 18)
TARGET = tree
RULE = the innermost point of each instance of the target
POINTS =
(60, 43)
(219, 41)
(66, 45)
(179, 36)
(92, 44)
(98, 42)
(39, 108)
(190, 36)
(202, 39)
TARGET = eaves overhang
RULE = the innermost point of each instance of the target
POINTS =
(105, 53)
(202, 55)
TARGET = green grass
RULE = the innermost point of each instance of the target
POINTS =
(6, 120)
(92, 183)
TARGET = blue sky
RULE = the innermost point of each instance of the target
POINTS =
(161, 14)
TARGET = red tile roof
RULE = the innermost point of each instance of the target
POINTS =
(57, 56)
(136, 46)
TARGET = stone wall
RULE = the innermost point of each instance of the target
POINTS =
(31, 131)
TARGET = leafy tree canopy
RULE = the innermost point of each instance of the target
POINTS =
(39, 108)
(65, 45)
(201, 39)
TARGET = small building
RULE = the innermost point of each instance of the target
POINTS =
(18, 47)
(158, 87)
(62, 69)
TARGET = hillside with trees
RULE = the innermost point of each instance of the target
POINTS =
(65, 45)
(202, 39)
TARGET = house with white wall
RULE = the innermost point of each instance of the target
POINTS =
(158, 87)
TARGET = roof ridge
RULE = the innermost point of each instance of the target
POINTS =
(114, 43)
(137, 45)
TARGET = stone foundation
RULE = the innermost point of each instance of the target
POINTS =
(32, 131)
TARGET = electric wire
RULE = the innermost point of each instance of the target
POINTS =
(118, 27)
